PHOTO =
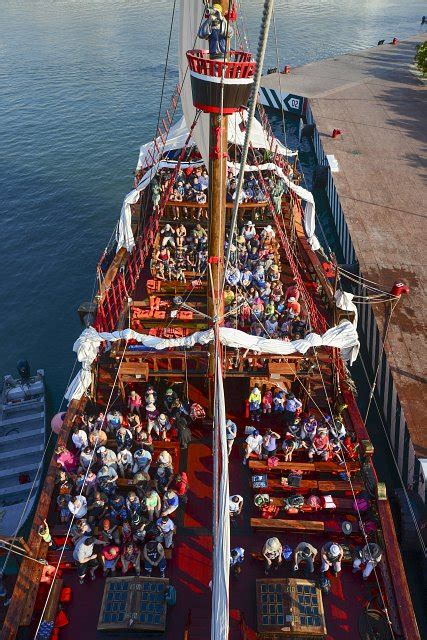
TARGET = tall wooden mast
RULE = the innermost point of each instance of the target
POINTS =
(218, 145)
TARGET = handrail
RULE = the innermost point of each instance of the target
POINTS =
(240, 65)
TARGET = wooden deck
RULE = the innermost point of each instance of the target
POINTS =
(378, 103)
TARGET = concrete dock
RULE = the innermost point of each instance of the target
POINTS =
(380, 105)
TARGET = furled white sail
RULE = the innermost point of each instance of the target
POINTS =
(344, 337)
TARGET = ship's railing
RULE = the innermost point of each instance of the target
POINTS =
(239, 65)
(259, 210)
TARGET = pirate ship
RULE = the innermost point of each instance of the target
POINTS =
(173, 311)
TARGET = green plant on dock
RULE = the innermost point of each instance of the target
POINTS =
(421, 57)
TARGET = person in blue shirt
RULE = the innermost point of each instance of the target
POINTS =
(231, 433)
(237, 556)
(292, 405)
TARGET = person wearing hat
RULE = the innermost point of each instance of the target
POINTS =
(161, 426)
(237, 556)
(253, 445)
(246, 278)
(150, 394)
(369, 556)
(267, 236)
(78, 506)
(142, 460)
(169, 401)
(305, 552)
(292, 292)
(332, 555)
(109, 557)
(235, 505)
(154, 556)
(167, 531)
(273, 273)
(134, 403)
(107, 457)
(272, 552)
(255, 404)
(249, 231)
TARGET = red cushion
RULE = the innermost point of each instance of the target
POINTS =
(61, 619)
(65, 595)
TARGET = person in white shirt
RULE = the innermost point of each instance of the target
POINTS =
(79, 438)
(272, 552)
(124, 462)
(235, 505)
(167, 529)
(107, 457)
(253, 445)
(237, 556)
(332, 555)
(85, 557)
(78, 506)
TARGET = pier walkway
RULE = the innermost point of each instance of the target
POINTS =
(380, 105)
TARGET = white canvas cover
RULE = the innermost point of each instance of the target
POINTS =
(344, 337)
(344, 301)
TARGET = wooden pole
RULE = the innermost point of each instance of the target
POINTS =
(218, 147)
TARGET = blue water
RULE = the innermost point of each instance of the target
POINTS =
(79, 91)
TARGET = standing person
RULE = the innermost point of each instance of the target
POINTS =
(78, 506)
(292, 405)
(142, 460)
(131, 556)
(79, 438)
(235, 505)
(153, 504)
(255, 404)
(184, 432)
(124, 463)
(170, 502)
(269, 444)
(305, 552)
(134, 403)
(253, 445)
(237, 556)
(272, 552)
(168, 530)
(332, 555)
(154, 556)
(369, 556)
(181, 486)
(44, 533)
(231, 433)
(109, 558)
(85, 558)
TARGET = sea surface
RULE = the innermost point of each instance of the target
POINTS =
(80, 84)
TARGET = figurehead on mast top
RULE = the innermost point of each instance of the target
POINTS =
(216, 29)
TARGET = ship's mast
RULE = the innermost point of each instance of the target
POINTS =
(218, 141)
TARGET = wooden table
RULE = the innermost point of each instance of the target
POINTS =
(134, 603)
(289, 607)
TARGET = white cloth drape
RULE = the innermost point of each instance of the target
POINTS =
(344, 301)
(343, 337)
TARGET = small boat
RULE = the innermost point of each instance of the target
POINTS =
(22, 441)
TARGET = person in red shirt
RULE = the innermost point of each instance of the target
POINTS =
(293, 307)
(292, 292)
(181, 486)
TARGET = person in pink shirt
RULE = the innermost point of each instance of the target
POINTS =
(134, 403)
(67, 460)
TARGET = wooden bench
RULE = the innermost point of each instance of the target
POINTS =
(158, 445)
(307, 526)
(53, 601)
(319, 467)
(325, 486)
(343, 505)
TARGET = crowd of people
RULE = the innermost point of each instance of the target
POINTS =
(324, 438)
(119, 493)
